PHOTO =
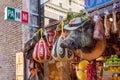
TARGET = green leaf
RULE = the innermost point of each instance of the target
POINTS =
(71, 15)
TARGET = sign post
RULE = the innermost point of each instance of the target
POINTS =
(24, 17)
(16, 15)
(10, 13)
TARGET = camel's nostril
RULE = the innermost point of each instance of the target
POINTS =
(72, 43)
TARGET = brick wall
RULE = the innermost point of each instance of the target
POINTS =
(10, 41)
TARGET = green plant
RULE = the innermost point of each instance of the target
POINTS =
(82, 14)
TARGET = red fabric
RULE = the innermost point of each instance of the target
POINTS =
(91, 71)
(36, 55)
(41, 52)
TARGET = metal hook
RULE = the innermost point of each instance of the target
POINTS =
(97, 11)
(106, 12)
(114, 5)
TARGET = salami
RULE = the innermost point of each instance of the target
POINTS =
(114, 27)
(119, 29)
(107, 26)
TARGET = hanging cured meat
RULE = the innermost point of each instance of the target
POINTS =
(99, 30)
(59, 53)
(107, 25)
(41, 51)
(119, 29)
(114, 27)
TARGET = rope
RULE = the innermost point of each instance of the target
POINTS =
(62, 27)
(41, 33)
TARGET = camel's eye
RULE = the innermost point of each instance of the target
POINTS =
(78, 31)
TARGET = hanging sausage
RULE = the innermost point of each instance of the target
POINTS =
(118, 24)
(107, 25)
(119, 29)
(114, 27)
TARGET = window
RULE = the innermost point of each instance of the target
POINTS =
(33, 20)
(33, 15)
(60, 4)
(60, 17)
(69, 2)
(34, 6)
(70, 9)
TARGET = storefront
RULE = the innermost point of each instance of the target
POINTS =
(53, 59)
(108, 65)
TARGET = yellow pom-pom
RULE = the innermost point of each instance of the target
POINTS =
(83, 64)
(81, 75)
